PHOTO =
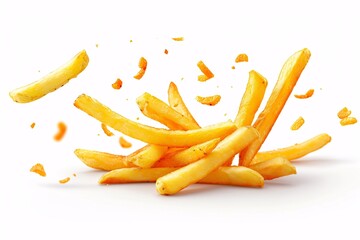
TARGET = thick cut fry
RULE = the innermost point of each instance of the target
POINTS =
(343, 113)
(348, 121)
(242, 57)
(142, 65)
(176, 102)
(296, 151)
(238, 176)
(297, 124)
(274, 168)
(102, 160)
(52, 81)
(39, 169)
(146, 156)
(209, 100)
(61, 131)
(171, 138)
(189, 155)
(287, 80)
(106, 130)
(251, 100)
(164, 113)
(205, 70)
(308, 94)
(194, 172)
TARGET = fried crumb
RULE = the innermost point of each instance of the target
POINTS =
(297, 124)
(32, 125)
(65, 180)
(343, 113)
(166, 51)
(232, 67)
(124, 143)
(74, 174)
(308, 94)
(178, 38)
(142, 65)
(207, 74)
(117, 84)
(348, 121)
(61, 131)
(242, 57)
(210, 100)
(106, 130)
(39, 169)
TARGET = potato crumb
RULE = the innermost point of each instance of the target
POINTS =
(32, 125)
(210, 100)
(308, 94)
(166, 51)
(298, 123)
(207, 74)
(242, 57)
(178, 38)
(124, 143)
(61, 131)
(343, 113)
(74, 174)
(97, 45)
(106, 130)
(117, 84)
(142, 65)
(232, 67)
(65, 180)
(348, 121)
(39, 169)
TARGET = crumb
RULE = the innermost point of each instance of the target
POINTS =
(106, 130)
(39, 169)
(32, 125)
(297, 124)
(178, 38)
(74, 174)
(65, 180)
(308, 94)
(343, 113)
(124, 143)
(61, 131)
(142, 65)
(232, 67)
(97, 45)
(117, 84)
(242, 57)
(210, 100)
(131, 40)
(166, 51)
(207, 74)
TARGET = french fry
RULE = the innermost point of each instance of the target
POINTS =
(297, 124)
(188, 155)
(145, 157)
(287, 80)
(207, 74)
(170, 138)
(51, 81)
(274, 168)
(238, 176)
(296, 151)
(251, 100)
(194, 172)
(343, 113)
(150, 104)
(348, 121)
(176, 102)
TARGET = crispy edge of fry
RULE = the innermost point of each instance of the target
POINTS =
(237, 176)
(251, 100)
(348, 121)
(146, 156)
(51, 81)
(287, 80)
(102, 160)
(274, 168)
(176, 102)
(297, 124)
(177, 180)
(343, 113)
(296, 151)
(62, 128)
(106, 130)
(189, 155)
(242, 57)
(163, 112)
(209, 100)
(205, 70)
(171, 138)
(308, 94)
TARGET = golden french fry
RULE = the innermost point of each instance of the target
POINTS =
(150, 104)
(176, 102)
(145, 157)
(188, 155)
(192, 173)
(274, 168)
(251, 100)
(296, 151)
(288, 77)
(51, 81)
(102, 160)
(297, 124)
(238, 176)
(207, 74)
(170, 138)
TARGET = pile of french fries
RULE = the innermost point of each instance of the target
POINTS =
(184, 153)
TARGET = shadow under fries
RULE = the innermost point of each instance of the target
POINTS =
(320, 161)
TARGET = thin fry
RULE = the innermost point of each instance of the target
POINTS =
(146, 156)
(194, 172)
(209, 100)
(207, 74)
(348, 121)
(296, 151)
(51, 81)
(287, 80)
(274, 168)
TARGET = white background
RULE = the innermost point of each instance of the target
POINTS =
(321, 200)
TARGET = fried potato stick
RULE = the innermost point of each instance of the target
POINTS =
(274, 168)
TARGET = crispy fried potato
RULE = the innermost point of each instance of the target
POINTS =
(274, 168)
(194, 172)
(348, 121)
(296, 151)
(171, 138)
(343, 113)
(308, 94)
(207, 74)
(51, 81)
(251, 100)
(209, 100)
(297, 124)
(287, 80)
(242, 57)
(146, 156)
(238, 176)
(188, 155)
(176, 102)
(142, 65)
(164, 113)
(39, 169)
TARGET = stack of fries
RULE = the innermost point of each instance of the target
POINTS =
(185, 153)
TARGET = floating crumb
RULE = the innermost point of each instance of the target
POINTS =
(39, 169)
(65, 180)
(225, 114)
(343, 113)
(124, 143)
(207, 74)
(242, 57)
(178, 38)
(117, 84)
(142, 65)
(97, 45)
(32, 125)
(74, 174)
(61, 131)
(106, 130)
(137, 118)
(308, 94)
(166, 51)
(131, 40)
(181, 78)
(232, 67)
(298, 123)
(348, 121)
(210, 100)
